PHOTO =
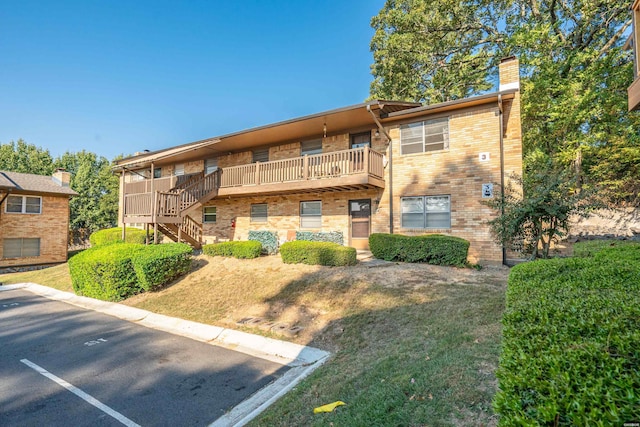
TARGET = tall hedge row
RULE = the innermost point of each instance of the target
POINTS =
(321, 236)
(571, 346)
(119, 270)
(435, 249)
(112, 235)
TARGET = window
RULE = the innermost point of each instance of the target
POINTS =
(311, 147)
(24, 204)
(360, 140)
(311, 214)
(421, 137)
(261, 155)
(21, 248)
(259, 212)
(157, 172)
(209, 214)
(426, 212)
(178, 169)
(210, 166)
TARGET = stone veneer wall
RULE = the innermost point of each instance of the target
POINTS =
(51, 226)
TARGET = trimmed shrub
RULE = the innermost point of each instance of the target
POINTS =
(434, 249)
(591, 247)
(238, 249)
(269, 240)
(119, 270)
(160, 264)
(317, 253)
(571, 337)
(111, 235)
(321, 236)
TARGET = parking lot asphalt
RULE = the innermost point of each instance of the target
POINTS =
(66, 365)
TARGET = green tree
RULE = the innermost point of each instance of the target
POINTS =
(96, 206)
(542, 217)
(574, 74)
(25, 158)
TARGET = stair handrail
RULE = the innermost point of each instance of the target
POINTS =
(192, 228)
(191, 194)
(187, 182)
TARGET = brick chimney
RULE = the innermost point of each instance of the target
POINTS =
(509, 71)
(61, 177)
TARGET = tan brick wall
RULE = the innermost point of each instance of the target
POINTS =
(51, 226)
(283, 213)
(235, 159)
(456, 172)
(285, 151)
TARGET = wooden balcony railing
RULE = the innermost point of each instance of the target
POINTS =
(138, 204)
(161, 184)
(317, 166)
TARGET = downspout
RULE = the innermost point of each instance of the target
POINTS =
(501, 120)
(384, 131)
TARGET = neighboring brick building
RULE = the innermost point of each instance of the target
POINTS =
(381, 166)
(34, 218)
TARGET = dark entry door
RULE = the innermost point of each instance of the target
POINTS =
(360, 214)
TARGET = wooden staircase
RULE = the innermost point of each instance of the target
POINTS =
(176, 204)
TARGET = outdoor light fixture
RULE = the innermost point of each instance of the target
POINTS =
(324, 129)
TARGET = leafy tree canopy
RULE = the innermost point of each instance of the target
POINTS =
(26, 158)
(574, 74)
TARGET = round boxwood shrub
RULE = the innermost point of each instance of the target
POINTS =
(317, 253)
(111, 235)
(116, 271)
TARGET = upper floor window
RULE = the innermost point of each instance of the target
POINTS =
(426, 212)
(359, 140)
(24, 204)
(157, 173)
(261, 155)
(210, 166)
(21, 247)
(311, 147)
(178, 169)
(421, 137)
(259, 212)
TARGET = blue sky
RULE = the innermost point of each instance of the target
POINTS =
(115, 77)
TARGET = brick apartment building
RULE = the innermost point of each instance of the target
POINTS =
(34, 218)
(380, 166)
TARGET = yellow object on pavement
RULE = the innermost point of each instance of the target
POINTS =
(329, 407)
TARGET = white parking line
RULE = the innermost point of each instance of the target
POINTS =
(81, 394)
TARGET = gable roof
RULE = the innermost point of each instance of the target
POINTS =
(30, 183)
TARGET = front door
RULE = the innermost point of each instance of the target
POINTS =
(360, 218)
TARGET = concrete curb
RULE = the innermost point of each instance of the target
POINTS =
(301, 359)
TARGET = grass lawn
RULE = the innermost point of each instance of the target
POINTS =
(412, 344)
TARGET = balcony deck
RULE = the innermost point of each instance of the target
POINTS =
(355, 169)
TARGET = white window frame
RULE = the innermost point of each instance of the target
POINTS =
(426, 212)
(256, 216)
(205, 214)
(304, 217)
(425, 136)
(23, 210)
(178, 169)
(22, 248)
(210, 165)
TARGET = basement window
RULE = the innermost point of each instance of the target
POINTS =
(21, 247)
(426, 212)
(259, 212)
(209, 214)
(311, 214)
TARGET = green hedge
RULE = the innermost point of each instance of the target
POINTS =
(571, 341)
(317, 253)
(269, 240)
(321, 236)
(435, 249)
(116, 271)
(589, 248)
(239, 249)
(111, 235)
